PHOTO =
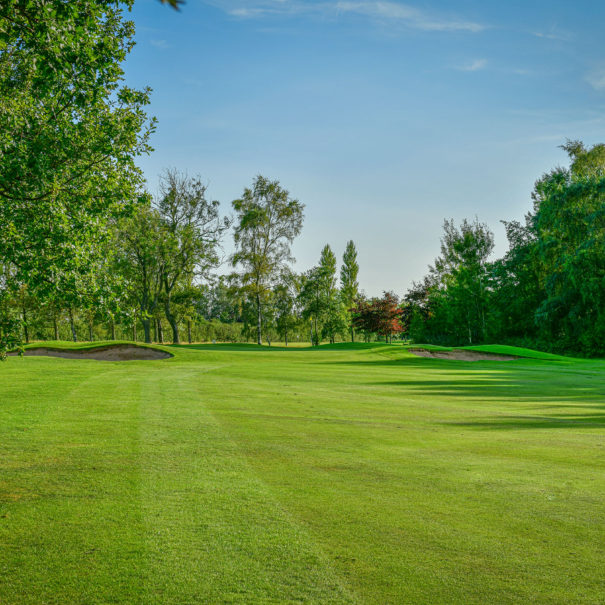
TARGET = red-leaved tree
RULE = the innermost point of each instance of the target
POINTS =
(379, 315)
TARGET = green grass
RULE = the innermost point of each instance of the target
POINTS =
(238, 474)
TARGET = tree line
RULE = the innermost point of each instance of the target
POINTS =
(87, 252)
(156, 266)
(548, 291)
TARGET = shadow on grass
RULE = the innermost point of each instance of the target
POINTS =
(577, 386)
(564, 392)
(539, 386)
(559, 421)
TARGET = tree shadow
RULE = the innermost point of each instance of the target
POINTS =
(559, 421)
(557, 393)
(504, 389)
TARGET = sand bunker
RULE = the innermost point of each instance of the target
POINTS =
(104, 353)
(462, 355)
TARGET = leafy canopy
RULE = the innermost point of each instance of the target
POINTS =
(69, 135)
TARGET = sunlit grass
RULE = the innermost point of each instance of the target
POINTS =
(238, 474)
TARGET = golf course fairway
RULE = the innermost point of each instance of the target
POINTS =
(340, 474)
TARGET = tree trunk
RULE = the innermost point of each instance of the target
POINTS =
(74, 335)
(352, 334)
(113, 329)
(156, 337)
(160, 332)
(189, 331)
(259, 321)
(90, 334)
(56, 327)
(286, 336)
(147, 329)
(134, 329)
(25, 328)
(173, 323)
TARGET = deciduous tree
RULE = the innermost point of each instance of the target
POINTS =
(379, 315)
(267, 222)
(70, 132)
(190, 238)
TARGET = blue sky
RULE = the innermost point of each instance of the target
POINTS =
(383, 117)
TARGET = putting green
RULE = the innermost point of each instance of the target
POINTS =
(343, 474)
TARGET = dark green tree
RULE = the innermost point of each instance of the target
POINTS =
(334, 311)
(568, 224)
(285, 303)
(454, 298)
(349, 286)
(139, 261)
(70, 132)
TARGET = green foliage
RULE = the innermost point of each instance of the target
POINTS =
(454, 298)
(69, 135)
(189, 239)
(176, 4)
(549, 288)
(312, 301)
(139, 261)
(349, 286)
(285, 305)
(518, 288)
(10, 334)
(569, 227)
(333, 314)
(321, 300)
(267, 221)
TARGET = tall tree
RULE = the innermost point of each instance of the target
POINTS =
(284, 302)
(267, 222)
(463, 271)
(312, 300)
(334, 310)
(569, 226)
(139, 261)
(349, 286)
(327, 264)
(321, 300)
(69, 135)
(190, 239)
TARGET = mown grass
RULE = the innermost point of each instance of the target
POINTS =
(238, 474)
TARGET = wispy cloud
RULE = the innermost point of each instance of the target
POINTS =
(597, 78)
(553, 34)
(389, 12)
(253, 9)
(475, 65)
(162, 44)
(408, 15)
